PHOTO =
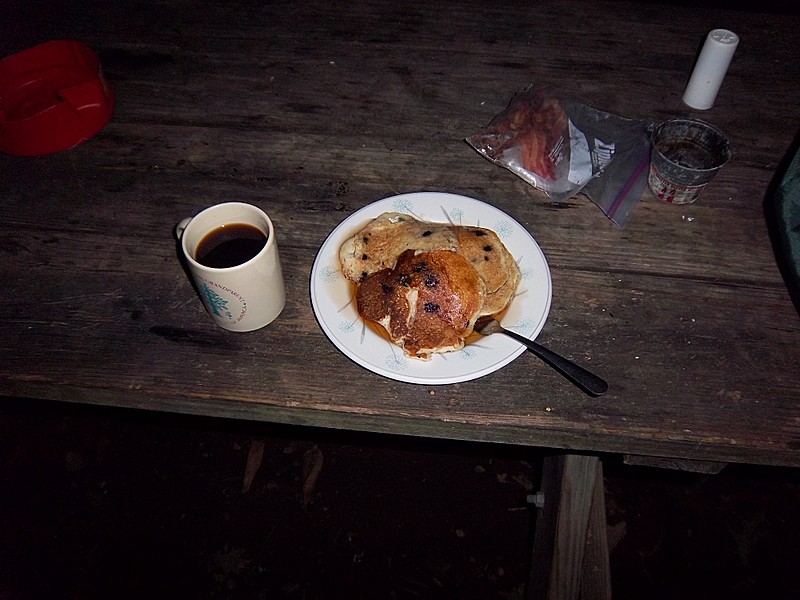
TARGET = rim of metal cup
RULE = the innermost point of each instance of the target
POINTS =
(193, 260)
(727, 148)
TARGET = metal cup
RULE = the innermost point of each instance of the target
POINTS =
(686, 154)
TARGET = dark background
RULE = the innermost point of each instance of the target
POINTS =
(787, 7)
(112, 503)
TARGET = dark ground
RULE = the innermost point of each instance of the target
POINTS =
(108, 503)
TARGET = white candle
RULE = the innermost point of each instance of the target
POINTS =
(712, 64)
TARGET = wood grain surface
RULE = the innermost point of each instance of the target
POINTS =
(312, 110)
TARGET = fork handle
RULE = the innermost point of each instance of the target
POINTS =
(587, 381)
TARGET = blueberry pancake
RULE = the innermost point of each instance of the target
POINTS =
(428, 302)
(378, 245)
(493, 262)
(427, 283)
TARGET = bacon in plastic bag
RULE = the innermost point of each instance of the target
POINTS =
(563, 147)
(533, 133)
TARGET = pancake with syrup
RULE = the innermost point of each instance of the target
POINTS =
(428, 304)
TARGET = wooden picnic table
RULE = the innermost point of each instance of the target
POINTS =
(312, 110)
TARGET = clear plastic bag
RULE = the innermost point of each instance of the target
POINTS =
(564, 148)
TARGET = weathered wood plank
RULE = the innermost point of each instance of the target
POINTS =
(572, 501)
(312, 113)
(596, 575)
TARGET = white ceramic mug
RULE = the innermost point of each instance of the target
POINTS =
(246, 296)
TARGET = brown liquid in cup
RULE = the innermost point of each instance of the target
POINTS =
(230, 245)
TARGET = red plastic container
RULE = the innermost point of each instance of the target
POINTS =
(52, 97)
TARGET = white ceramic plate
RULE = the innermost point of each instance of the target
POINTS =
(332, 294)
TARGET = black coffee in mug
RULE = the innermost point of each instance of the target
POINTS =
(230, 245)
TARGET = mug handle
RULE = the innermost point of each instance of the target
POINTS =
(180, 227)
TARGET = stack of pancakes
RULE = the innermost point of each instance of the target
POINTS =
(427, 283)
